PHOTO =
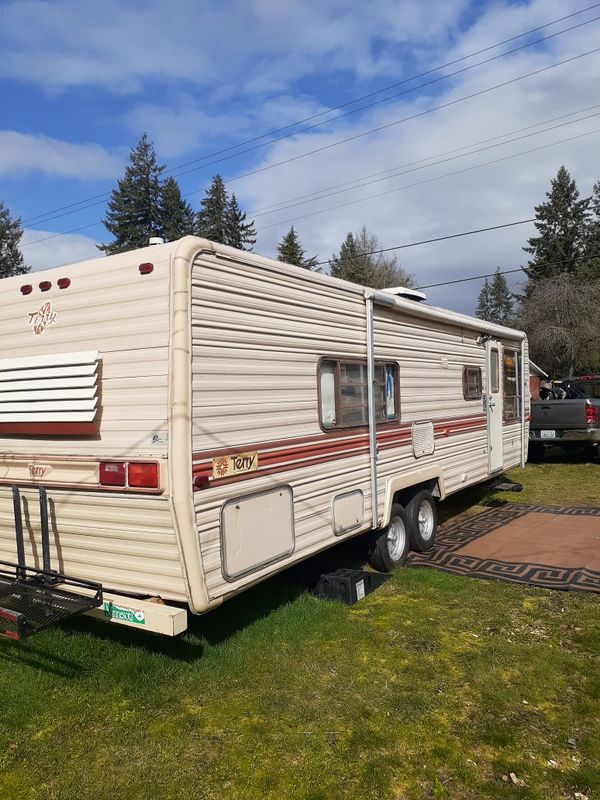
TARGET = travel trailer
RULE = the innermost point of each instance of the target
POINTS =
(178, 423)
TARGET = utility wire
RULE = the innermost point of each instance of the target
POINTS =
(41, 217)
(591, 257)
(363, 134)
(395, 174)
(368, 197)
(428, 180)
(440, 239)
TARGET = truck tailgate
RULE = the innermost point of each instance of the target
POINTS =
(558, 414)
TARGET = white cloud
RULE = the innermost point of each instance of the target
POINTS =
(21, 153)
(53, 251)
(258, 44)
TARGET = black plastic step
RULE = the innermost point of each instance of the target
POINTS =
(31, 599)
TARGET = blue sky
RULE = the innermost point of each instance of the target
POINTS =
(81, 81)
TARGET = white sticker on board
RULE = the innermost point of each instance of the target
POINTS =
(160, 439)
(360, 589)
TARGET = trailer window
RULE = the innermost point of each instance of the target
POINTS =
(472, 383)
(344, 399)
(494, 376)
(512, 384)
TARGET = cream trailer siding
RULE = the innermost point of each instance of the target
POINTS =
(219, 366)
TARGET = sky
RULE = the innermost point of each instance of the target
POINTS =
(447, 149)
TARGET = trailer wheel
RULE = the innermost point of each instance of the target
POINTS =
(422, 517)
(390, 545)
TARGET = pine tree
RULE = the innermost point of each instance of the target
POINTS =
(177, 218)
(291, 251)
(11, 258)
(359, 262)
(501, 304)
(589, 267)
(134, 208)
(483, 310)
(561, 223)
(240, 234)
(212, 218)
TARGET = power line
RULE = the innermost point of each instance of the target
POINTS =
(335, 190)
(42, 217)
(440, 238)
(373, 130)
(369, 197)
(428, 180)
(507, 271)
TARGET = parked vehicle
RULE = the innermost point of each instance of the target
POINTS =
(568, 416)
(201, 418)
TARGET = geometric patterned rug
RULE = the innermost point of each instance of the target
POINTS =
(553, 547)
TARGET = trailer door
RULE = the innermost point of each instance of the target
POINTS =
(493, 404)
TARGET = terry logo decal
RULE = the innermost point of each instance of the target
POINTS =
(37, 471)
(42, 319)
(224, 466)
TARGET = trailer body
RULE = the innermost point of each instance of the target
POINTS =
(202, 417)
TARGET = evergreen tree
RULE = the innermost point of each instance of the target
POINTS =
(561, 223)
(501, 304)
(484, 302)
(212, 218)
(177, 218)
(589, 267)
(134, 208)
(240, 234)
(291, 251)
(359, 262)
(11, 258)
(220, 218)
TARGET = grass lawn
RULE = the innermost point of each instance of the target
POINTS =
(435, 686)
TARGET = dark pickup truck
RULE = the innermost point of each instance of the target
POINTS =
(570, 417)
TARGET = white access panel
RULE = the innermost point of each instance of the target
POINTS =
(256, 530)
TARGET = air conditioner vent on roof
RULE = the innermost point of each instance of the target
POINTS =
(49, 394)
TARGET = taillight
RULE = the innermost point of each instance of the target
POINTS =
(63, 283)
(591, 415)
(142, 475)
(26, 289)
(146, 268)
(112, 473)
(45, 286)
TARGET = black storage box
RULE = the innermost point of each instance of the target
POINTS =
(348, 585)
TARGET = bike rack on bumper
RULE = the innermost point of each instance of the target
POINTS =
(32, 599)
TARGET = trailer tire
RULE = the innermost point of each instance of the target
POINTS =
(422, 516)
(390, 545)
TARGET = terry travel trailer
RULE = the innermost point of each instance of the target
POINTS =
(179, 422)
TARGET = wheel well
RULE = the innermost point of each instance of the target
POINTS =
(403, 496)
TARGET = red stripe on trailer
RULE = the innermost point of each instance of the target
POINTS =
(50, 428)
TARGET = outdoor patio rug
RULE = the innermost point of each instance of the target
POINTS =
(557, 548)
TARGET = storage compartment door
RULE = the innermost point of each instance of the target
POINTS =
(256, 530)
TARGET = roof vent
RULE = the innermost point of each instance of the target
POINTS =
(408, 294)
(156, 240)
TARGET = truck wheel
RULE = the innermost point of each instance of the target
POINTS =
(390, 545)
(422, 516)
(535, 452)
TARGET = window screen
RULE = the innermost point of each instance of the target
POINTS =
(472, 383)
(344, 393)
(512, 384)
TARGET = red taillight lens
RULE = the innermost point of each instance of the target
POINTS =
(146, 268)
(63, 283)
(26, 289)
(591, 415)
(45, 286)
(142, 476)
(112, 473)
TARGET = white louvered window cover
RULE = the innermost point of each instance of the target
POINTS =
(423, 439)
(50, 394)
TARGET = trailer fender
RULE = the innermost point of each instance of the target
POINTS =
(432, 475)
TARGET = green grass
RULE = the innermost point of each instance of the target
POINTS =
(435, 686)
